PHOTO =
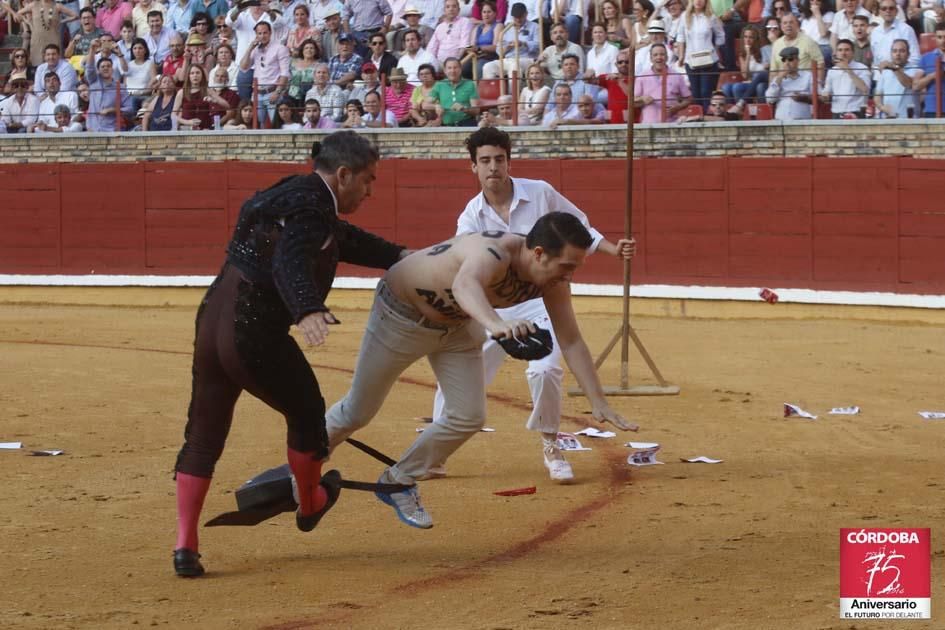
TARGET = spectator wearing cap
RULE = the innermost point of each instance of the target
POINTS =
(890, 30)
(112, 15)
(807, 49)
(451, 36)
(382, 60)
(331, 97)
(313, 119)
(398, 97)
(363, 18)
(21, 109)
(369, 82)
(895, 97)
(648, 89)
(344, 67)
(61, 122)
(842, 25)
(790, 90)
(270, 64)
(456, 98)
(925, 80)
(321, 9)
(657, 33)
(52, 99)
(602, 55)
(331, 35)
(102, 114)
(53, 62)
(410, 20)
(244, 17)
(519, 29)
(414, 56)
(848, 83)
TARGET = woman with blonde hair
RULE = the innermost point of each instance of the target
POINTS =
(700, 34)
(534, 96)
(160, 111)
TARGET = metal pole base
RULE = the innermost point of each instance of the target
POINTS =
(636, 390)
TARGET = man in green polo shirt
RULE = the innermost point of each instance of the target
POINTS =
(457, 101)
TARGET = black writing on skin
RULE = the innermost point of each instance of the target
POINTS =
(447, 308)
(513, 289)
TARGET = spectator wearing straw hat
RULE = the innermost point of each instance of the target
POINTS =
(398, 97)
(20, 110)
(520, 30)
(333, 31)
(321, 9)
(410, 20)
(195, 50)
(657, 33)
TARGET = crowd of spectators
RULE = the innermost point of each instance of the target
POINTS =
(105, 65)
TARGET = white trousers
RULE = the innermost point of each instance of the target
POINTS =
(544, 376)
(491, 69)
(391, 344)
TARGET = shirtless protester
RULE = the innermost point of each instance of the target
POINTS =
(438, 303)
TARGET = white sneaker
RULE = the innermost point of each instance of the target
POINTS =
(558, 467)
(407, 504)
(433, 472)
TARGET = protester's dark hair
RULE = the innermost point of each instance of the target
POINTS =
(488, 137)
(344, 148)
(555, 230)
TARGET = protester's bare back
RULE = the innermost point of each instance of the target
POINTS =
(425, 278)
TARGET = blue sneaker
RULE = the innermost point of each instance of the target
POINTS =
(406, 504)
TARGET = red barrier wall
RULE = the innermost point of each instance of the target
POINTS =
(871, 224)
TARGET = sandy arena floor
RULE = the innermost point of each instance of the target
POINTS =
(751, 543)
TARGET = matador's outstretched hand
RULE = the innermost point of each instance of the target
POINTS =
(314, 327)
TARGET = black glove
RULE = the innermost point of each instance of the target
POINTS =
(534, 346)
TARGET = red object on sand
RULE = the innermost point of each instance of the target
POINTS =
(516, 492)
(768, 296)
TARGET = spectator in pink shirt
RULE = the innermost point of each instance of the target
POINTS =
(269, 62)
(398, 97)
(112, 15)
(451, 36)
(648, 90)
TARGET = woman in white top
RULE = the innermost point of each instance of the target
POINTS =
(700, 33)
(643, 11)
(602, 55)
(534, 96)
(140, 78)
(225, 61)
(816, 18)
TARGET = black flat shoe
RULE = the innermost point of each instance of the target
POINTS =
(331, 481)
(187, 563)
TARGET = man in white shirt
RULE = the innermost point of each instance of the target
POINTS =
(372, 112)
(53, 62)
(414, 56)
(19, 111)
(883, 36)
(895, 97)
(52, 99)
(790, 90)
(508, 204)
(842, 25)
(848, 83)
(62, 122)
(602, 55)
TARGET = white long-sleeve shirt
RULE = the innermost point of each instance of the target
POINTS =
(782, 93)
(531, 200)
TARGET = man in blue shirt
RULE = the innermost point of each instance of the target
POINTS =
(926, 78)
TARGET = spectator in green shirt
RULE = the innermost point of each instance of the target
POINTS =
(456, 98)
